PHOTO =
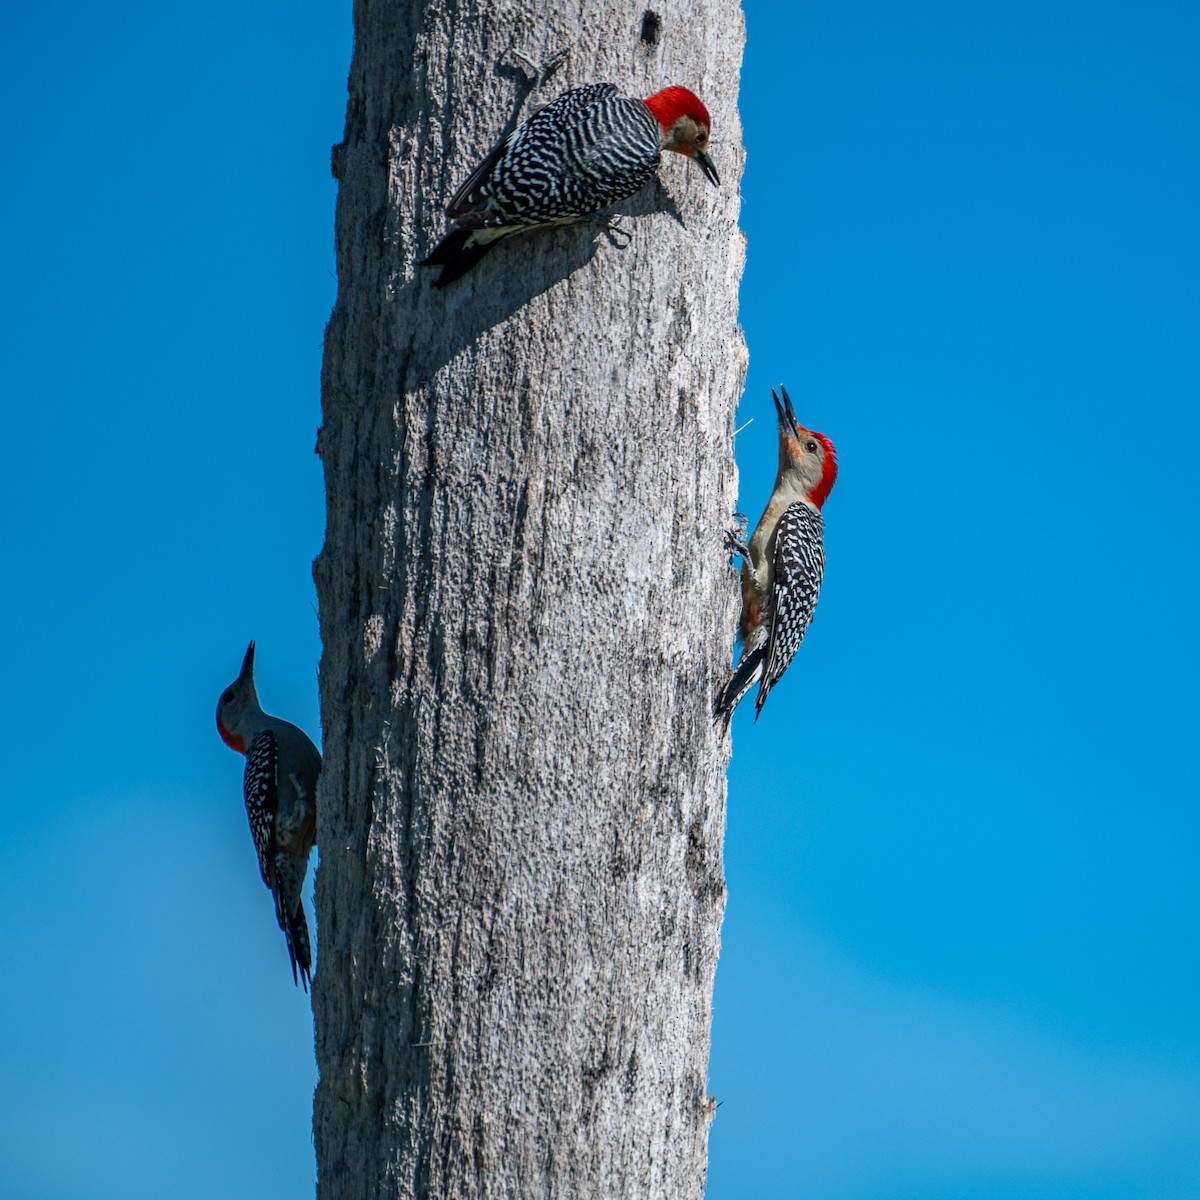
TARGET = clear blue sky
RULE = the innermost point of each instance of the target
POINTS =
(960, 957)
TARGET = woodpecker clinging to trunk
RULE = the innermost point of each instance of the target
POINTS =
(783, 564)
(280, 790)
(582, 152)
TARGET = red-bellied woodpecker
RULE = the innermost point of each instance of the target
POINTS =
(582, 152)
(280, 789)
(783, 564)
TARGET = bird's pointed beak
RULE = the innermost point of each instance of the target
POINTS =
(787, 414)
(706, 165)
(247, 675)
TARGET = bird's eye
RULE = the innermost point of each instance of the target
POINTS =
(810, 446)
(227, 696)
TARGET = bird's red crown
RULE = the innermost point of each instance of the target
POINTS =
(674, 102)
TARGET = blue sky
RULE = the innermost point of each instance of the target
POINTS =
(960, 955)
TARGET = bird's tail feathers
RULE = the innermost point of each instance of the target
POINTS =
(289, 912)
(748, 673)
(454, 256)
(299, 947)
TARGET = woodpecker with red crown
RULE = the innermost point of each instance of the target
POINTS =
(784, 563)
(581, 153)
(280, 790)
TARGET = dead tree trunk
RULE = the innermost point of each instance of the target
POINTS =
(526, 608)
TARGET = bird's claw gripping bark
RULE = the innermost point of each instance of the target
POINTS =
(616, 232)
(736, 534)
(541, 72)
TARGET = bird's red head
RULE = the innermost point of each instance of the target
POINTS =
(674, 102)
(685, 126)
(828, 471)
(811, 453)
(234, 699)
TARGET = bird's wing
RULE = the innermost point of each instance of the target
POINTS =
(260, 789)
(798, 568)
(468, 203)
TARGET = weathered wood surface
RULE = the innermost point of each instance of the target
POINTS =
(526, 609)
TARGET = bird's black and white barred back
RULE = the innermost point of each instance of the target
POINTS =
(799, 568)
(282, 872)
(260, 788)
(584, 151)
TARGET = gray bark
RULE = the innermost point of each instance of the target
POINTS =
(526, 609)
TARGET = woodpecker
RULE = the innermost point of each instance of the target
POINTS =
(280, 790)
(783, 565)
(580, 153)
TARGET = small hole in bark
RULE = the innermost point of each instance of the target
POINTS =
(651, 24)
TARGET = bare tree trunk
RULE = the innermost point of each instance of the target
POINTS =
(526, 608)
